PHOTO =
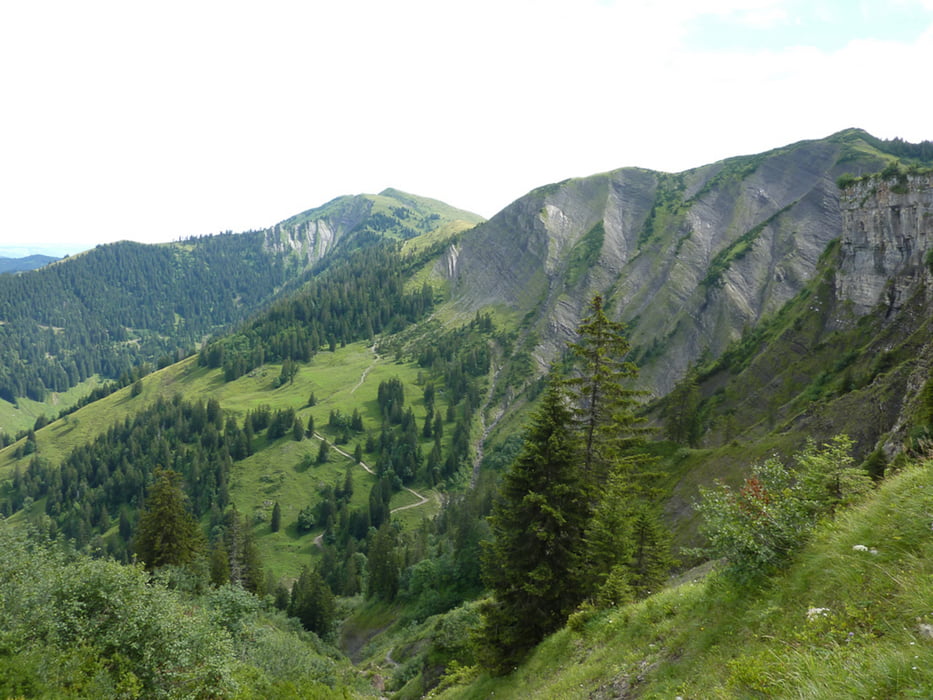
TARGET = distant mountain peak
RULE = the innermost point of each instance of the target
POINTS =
(29, 262)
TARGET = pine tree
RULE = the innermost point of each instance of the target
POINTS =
(298, 430)
(383, 564)
(651, 558)
(167, 534)
(603, 406)
(608, 534)
(681, 413)
(276, 522)
(619, 475)
(533, 564)
(243, 555)
(323, 452)
(220, 564)
(312, 603)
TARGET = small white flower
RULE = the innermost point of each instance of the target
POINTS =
(859, 548)
(814, 613)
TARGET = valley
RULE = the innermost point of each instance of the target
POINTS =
(346, 396)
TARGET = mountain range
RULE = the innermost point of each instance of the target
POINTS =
(768, 299)
(29, 262)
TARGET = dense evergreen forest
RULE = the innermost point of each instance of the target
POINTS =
(354, 298)
(113, 307)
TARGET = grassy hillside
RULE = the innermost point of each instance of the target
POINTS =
(805, 366)
(22, 416)
(283, 471)
(840, 622)
(117, 306)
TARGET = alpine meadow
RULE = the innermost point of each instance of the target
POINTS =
(638, 435)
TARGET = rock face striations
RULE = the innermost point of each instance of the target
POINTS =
(886, 242)
(687, 260)
(314, 234)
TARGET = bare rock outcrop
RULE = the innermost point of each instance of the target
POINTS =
(887, 235)
(688, 260)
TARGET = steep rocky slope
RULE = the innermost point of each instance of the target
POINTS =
(688, 260)
(313, 234)
(887, 233)
(851, 352)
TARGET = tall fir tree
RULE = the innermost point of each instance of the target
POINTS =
(167, 534)
(312, 602)
(219, 564)
(650, 560)
(604, 407)
(533, 563)
(619, 474)
(383, 564)
(681, 411)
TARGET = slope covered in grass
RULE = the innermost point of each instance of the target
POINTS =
(852, 617)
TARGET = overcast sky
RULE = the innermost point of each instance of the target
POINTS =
(159, 120)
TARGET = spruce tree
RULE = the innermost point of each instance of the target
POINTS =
(533, 563)
(312, 603)
(650, 560)
(167, 534)
(323, 452)
(219, 564)
(619, 475)
(603, 406)
(681, 412)
(383, 564)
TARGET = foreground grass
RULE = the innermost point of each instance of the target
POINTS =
(873, 637)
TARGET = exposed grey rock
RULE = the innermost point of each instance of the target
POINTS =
(688, 260)
(888, 228)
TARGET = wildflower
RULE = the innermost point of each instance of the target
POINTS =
(859, 548)
(814, 613)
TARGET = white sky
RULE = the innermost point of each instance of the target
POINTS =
(155, 121)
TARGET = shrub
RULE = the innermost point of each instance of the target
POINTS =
(756, 527)
(846, 180)
(759, 526)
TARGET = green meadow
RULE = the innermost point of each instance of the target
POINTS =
(285, 470)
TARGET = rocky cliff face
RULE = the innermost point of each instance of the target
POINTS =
(312, 235)
(687, 260)
(887, 235)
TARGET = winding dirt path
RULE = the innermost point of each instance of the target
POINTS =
(366, 371)
(422, 500)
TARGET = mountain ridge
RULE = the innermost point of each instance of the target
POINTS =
(28, 262)
(772, 298)
(714, 247)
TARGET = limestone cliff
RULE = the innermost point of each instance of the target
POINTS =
(852, 351)
(688, 260)
(887, 234)
(312, 235)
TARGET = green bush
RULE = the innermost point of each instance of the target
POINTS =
(759, 526)
(846, 180)
(75, 622)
